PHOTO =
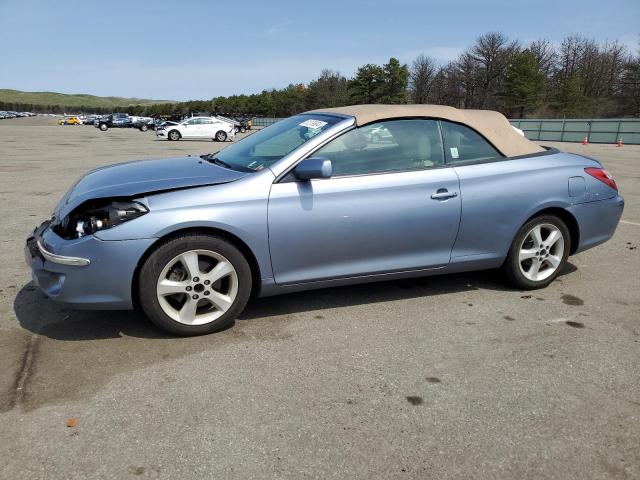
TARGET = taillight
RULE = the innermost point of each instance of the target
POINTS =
(602, 175)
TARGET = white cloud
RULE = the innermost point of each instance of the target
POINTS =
(273, 29)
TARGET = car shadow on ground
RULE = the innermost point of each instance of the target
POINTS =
(40, 315)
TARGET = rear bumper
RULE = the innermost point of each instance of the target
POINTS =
(85, 273)
(597, 221)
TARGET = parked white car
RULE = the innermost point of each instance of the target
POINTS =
(198, 127)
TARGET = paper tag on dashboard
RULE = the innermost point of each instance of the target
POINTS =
(313, 124)
(454, 152)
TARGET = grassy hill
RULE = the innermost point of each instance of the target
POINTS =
(71, 100)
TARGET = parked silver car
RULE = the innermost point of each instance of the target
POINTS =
(311, 202)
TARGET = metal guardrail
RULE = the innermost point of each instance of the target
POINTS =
(558, 130)
(575, 130)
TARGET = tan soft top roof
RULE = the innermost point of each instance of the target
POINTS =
(492, 125)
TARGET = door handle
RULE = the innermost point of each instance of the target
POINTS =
(443, 194)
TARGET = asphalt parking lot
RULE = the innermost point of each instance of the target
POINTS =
(442, 377)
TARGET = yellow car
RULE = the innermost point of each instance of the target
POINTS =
(69, 121)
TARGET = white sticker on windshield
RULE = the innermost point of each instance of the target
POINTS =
(313, 123)
(454, 152)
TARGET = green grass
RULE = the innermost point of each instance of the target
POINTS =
(71, 100)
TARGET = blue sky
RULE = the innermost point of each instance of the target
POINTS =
(197, 49)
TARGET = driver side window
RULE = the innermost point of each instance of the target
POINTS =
(389, 146)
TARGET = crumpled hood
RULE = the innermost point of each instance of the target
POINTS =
(141, 177)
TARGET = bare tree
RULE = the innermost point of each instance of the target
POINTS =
(467, 79)
(616, 55)
(439, 93)
(545, 55)
(493, 52)
(630, 86)
(570, 56)
(421, 76)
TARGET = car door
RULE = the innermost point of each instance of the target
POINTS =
(207, 128)
(188, 129)
(499, 192)
(391, 205)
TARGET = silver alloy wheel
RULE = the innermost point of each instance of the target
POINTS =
(173, 135)
(197, 287)
(221, 136)
(541, 252)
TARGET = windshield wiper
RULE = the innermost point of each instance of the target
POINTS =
(221, 163)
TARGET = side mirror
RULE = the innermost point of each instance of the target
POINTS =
(313, 168)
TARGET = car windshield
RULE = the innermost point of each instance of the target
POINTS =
(267, 146)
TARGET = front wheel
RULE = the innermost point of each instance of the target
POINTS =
(194, 284)
(538, 253)
(221, 136)
(243, 129)
(144, 128)
(103, 127)
(174, 135)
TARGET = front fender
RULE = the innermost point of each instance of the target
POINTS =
(238, 208)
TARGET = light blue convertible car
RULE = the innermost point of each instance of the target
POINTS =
(317, 200)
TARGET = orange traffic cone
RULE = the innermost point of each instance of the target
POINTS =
(585, 141)
(619, 143)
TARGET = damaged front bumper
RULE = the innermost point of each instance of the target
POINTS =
(87, 272)
(53, 258)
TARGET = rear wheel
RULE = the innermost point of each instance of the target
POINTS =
(144, 128)
(194, 284)
(538, 253)
(221, 136)
(174, 135)
(243, 129)
(104, 127)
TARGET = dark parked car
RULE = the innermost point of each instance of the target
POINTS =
(90, 120)
(115, 120)
(144, 124)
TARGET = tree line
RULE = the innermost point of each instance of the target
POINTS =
(577, 78)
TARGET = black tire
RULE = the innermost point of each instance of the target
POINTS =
(243, 129)
(220, 136)
(144, 128)
(174, 135)
(511, 266)
(103, 127)
(237, 129)
(168, 250)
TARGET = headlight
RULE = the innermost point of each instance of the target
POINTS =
(99, 215)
